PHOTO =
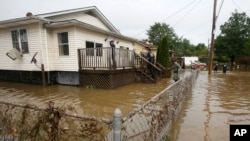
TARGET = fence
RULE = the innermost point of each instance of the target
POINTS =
(105, 58)
(150, 122)
(32, 123)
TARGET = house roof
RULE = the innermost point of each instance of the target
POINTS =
(93, 10)
(20, 21)
(147, 45)
(86, 26)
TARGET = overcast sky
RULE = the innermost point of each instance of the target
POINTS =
(191, 19)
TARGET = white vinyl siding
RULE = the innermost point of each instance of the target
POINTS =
(84, 35)
(66, 62)
(34, 46)
(51, 51)
(80, 16)
(45, 43)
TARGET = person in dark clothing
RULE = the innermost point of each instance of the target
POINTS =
(150, 56)
(151, 59)
(112, 45)
(215, 67)
(176, 68)
(224, 68)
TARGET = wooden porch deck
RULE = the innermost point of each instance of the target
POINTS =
(107, 68)
(105, 58)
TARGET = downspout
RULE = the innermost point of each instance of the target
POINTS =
(41, 48)
(47, 58)
(77, 57)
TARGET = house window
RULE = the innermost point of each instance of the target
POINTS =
(90, 49)
(20, 40)
(98, 49)
(124, 51)
(63, 43)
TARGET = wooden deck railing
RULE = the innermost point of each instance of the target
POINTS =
(151, 71)
(105, 58)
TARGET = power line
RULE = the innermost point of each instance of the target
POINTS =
(180, 10)
(237, 5)
(198, 26)
(219, 10)
(186, 14)
(170, 16)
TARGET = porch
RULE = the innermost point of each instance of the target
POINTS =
(107, 67)
(105, 58)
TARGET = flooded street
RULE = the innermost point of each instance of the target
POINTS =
(88, 101)
(216, 102)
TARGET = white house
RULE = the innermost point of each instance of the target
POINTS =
(54, 40)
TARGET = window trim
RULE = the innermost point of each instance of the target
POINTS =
(21, 46)
(97, 48)
(61, 50)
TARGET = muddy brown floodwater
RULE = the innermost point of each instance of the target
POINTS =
(216, 101)
(99, 103)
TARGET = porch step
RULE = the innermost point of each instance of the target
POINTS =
(145, 76)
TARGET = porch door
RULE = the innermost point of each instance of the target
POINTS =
(94, 53)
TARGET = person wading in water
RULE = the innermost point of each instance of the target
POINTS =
(176, 68)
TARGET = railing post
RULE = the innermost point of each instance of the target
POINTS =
(117, 125)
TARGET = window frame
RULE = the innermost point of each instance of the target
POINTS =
(90, 48)
(20, 40)
(63, 44)
(93, 48)
(99, 48)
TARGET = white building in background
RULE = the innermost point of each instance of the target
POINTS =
(189, 60)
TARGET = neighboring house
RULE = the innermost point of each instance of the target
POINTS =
(141, 47)
(62, 44)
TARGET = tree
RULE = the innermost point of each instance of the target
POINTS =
(234, 38)
(158, 31)
(246, 48)
(201, 50)
(188, 49)
(163, 53)
(185, 48)
(182, 47)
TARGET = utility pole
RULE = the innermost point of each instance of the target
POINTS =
(208, 48)
(212, 39)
